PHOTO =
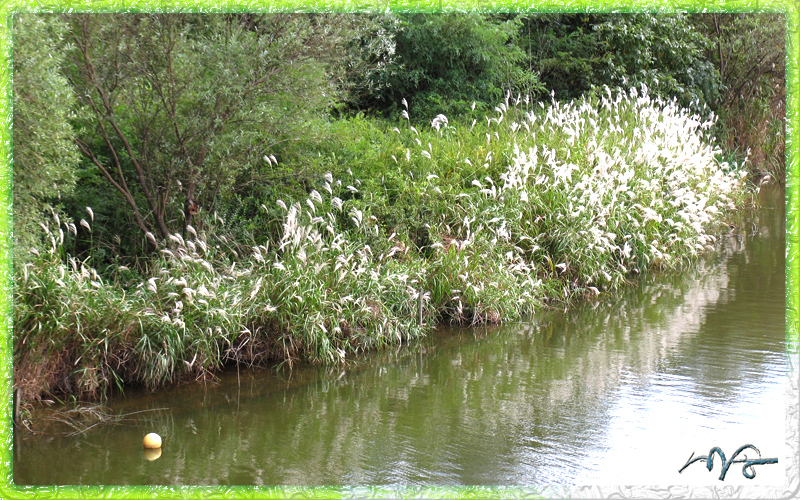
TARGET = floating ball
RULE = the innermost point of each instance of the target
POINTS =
(152, 441)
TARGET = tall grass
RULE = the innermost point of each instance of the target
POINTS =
(489, 220)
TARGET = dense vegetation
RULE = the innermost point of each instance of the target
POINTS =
(243, 188)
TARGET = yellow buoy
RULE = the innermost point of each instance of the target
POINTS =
(152, 441)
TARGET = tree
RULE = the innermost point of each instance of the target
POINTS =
(180, 106)
(575, 52)
(664, 52)
(45, 157)
(749, 53)
(442, 63)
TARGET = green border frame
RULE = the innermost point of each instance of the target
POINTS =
(790, 8)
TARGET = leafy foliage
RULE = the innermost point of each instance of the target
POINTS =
(749, 51)
(442, 63)
(191, 127)
(488, 219)
(181, 108)
(45, 157)
(575, 52)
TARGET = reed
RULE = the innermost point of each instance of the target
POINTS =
(537, 203)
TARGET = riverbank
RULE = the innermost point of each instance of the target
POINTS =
(530, 205)
(483, 405)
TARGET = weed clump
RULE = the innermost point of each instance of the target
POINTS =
(487, 220)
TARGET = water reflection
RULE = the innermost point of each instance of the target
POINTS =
(674, 366)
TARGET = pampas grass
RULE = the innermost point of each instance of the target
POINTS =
(535, 204)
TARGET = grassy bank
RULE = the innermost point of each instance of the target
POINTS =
(492, 218)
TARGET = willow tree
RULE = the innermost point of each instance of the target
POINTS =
(45, 157)
(178, 107)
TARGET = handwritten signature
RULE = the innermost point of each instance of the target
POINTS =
(747, 468)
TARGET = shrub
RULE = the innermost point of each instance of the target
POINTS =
(534, 204)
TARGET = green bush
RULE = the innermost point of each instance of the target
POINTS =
(490, 219)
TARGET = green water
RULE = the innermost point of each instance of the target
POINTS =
(619, 391)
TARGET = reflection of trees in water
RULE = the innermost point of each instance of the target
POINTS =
(517, 406)
(716, 326)
(748, 327)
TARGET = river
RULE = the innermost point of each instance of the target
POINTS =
(617, 391)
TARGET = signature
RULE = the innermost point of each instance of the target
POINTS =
(747, 468)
